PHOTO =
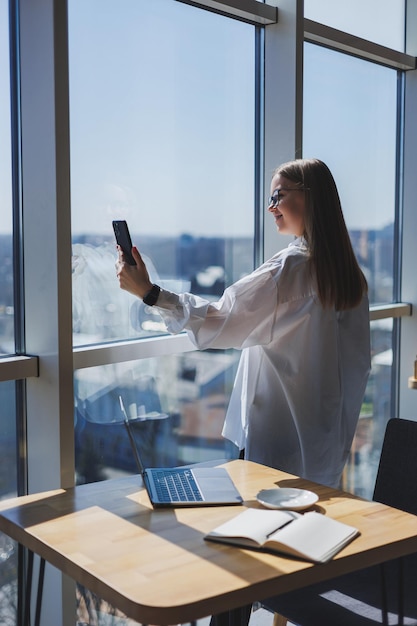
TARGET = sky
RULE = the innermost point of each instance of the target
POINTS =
(381, 21)
(162, 119)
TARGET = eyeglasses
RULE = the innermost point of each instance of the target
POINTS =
(275, 199)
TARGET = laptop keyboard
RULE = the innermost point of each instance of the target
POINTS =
(176, 486)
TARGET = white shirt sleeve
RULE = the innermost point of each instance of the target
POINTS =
(244, 316)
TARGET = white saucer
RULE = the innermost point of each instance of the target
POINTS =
(294, 499)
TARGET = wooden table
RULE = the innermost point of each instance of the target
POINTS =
(155, 566)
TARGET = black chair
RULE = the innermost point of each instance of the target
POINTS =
(385, 594)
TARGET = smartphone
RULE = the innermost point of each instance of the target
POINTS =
(121, 232)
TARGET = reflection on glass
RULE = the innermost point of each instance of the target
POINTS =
(380, 21)
(162, 135)
(360, 473)
(6, 249)
(103, 312)
(8, 489)
(350, 123)
(176, 406)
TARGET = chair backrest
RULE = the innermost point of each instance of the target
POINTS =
(396, 481)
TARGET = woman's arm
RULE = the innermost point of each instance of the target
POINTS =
(243, 316)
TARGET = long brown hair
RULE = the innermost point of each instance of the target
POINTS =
(340, 281)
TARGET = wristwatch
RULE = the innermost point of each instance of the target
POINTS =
(152, 296)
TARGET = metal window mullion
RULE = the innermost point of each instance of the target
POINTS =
(397, 252)
(390, 311)
(23, 367)
(399, 187)
(18, 290)
(408, 338)
(282, 101)
(249, 11)
(259, 147)
(95, 356)
(46, 240)
(16, 179)
(356, 46)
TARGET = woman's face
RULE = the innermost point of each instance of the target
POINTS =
(287, 206)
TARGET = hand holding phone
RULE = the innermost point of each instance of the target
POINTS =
(121, 232)
(136, 282)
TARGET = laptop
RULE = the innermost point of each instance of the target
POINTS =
(184, 486)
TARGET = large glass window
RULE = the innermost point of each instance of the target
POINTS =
(350, 122)
(8, 462)
(176, 406)
(162, 111)
(6, 248)
(162, 135)
(162, 123)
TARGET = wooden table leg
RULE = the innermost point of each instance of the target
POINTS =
(279, 620)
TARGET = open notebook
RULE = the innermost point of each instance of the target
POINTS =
(311, 536)
(184, 486)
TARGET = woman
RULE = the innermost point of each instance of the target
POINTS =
(302, 321)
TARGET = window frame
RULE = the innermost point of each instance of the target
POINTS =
(22, 367)
(274, 40)
(46, 359)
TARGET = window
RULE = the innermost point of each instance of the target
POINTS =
(176, 405)
(163, 127)
(162, 135)
(8, 456)
(350, 122)
(6, 244)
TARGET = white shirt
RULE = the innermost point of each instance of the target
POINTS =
(303, 370)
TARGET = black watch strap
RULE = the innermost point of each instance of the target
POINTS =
(152, 296)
